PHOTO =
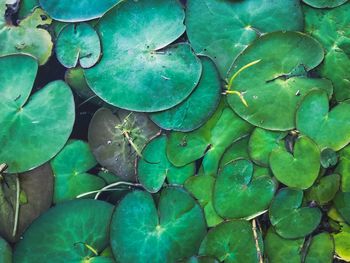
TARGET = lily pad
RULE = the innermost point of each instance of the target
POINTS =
(327, 129)
(342, 204)
(142, 233)
(288, 218)
(117, 139)
(33, 129)
(342, 243)
(300, 168)
(78, 43)
(343, 168)
(330, 27)
(70, 168)
(76, 10)
(328, 158)
(237, 194)
(148, 76)
(324, 3)
(262, 143)
(70, 232)
(324, 190)
(198, 107)
(232, 242)
(5, 252)
(321, 249)
(223, 29)
(279, 249)
(28, 37)
(277, 81)
(36, 187)
(154, 167)
(211, 140)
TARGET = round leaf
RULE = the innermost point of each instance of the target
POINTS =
(328, 158)
(342, 204)
(298, 169)
(147, 76)
(198, 107)
(321, 249)
(273, 87)
(78, 43)
(324, 190)
(141, 233)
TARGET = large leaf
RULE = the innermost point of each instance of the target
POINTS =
(148, 75)
(330, 27)
(300, 168)
(327, 129)
(237, 194)
(321, 249)
(33, 129)
(117, 139)
(271, 89)
(142, 233)
(198, 107)
(70, 168)
(289, 219)
(36, 190)
(223, 29)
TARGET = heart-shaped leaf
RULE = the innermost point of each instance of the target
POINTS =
(5, 252)
(76, 10)
(298, 169)
(330, 27)
(78, 43)
(33, 129)
(343, 168)
(28, 37)
(324, 190)
(210, 141)
(148, 76)
(37, 188)
(324, 3)
(198, 107)
(321, 249)
(232, 242)
(74, 231)
(237, 150)
(327, 129)
(237, 194)
(279, 249)
(154, 167)
(117, 139)
(277, 81)
(262, 143)
(70, 168)
(289, 219)
(342, 204)
(142, 233)
(223, 29)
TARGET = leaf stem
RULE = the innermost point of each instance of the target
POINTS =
(18, 191)
(256, 238)
(113, 185)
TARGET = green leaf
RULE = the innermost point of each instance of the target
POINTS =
(198, 107)
(142, 233)
(28, 37)
(262, 143)
(321, 249)
(154, 167)
(343, 168)
(223, 29)
(117, 139)
(342, 204)
(26, 7)
(70, 168)
(33, 129)
(37, 185)
(231, 242)
(324, 190)
(324, 3)
(199, 259)
(328, 158)
(330, 27)
(78, 43)
(280, 250)
(272, 93)
(298, 169)
(237, 150)
(148, 76)
(211, 140)
(327, 129)
(342, 243)
(237, 194)
(69, 232)
(5, 252)
(76, 10)
(289, 219)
